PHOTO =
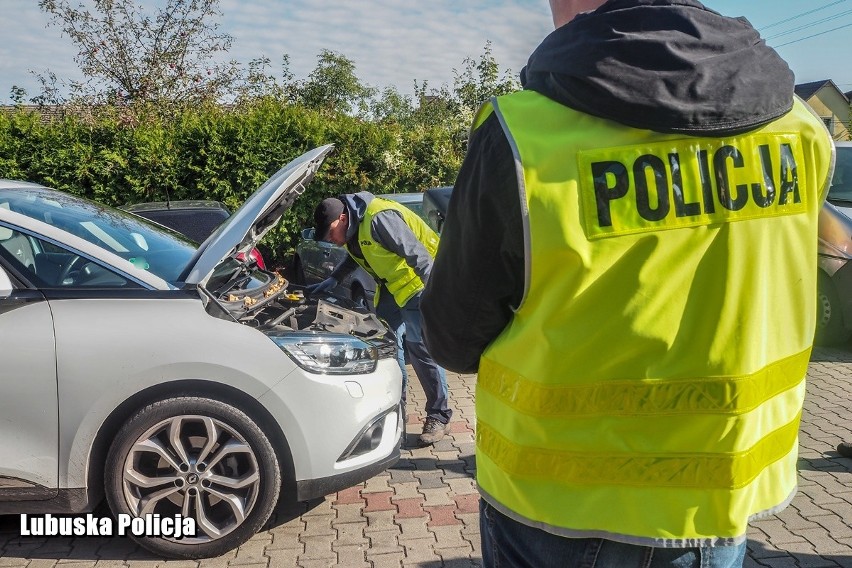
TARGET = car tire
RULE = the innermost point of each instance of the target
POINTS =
(196, 457)
(298, 272)
(830, 328)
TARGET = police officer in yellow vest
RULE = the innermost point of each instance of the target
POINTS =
(629, 262)
(397, 249)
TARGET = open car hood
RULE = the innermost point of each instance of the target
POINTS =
(260, 213)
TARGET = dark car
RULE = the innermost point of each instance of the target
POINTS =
(834, 287)
(315, 260)
(195, 220)
(436, 200)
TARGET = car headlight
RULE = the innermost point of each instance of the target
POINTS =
(328, 353)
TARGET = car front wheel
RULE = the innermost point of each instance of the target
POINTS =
(198, 458)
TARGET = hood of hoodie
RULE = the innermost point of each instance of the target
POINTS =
(356, 208)
(663, 65)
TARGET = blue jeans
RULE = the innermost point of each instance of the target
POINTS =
(407, 325)
(507, 543)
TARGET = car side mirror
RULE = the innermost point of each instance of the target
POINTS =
(308, 234)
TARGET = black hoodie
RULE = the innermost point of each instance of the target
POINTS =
(667, 66)
(671, 66)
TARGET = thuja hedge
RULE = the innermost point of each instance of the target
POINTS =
(117, 157)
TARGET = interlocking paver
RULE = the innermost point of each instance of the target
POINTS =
(318, 548)
(425, 510)
(349, 496)
(414, 529)
(379, 502)
(349, 514)
(377, 484)
(353, 555)
(449, 537)
(409, 508)
(380, 521)
(392, 560)
(435, 497)
(385, 542)
(402, 476)
(442, 516)
(405, 491)
(420, 550)
(350, 534)
(431, 479)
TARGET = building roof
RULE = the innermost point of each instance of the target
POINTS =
(807, 90)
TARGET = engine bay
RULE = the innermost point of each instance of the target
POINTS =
(269, 302)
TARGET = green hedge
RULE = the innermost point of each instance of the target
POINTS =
(222, 153)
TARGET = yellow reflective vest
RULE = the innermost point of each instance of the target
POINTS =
(649, 386)
(385, 266)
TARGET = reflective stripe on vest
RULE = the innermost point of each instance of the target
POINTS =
(648, 388)
(387, 267)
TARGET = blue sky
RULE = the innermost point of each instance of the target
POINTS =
(394, 42)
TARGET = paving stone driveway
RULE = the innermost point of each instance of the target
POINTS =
(424, 511)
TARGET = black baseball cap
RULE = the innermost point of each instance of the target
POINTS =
(325, 214)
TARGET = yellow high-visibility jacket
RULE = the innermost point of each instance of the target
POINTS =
(648, 388)
(385, 266)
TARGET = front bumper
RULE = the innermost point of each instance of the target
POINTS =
(339, 428)
(308, 489)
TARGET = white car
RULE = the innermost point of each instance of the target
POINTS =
(175, 379)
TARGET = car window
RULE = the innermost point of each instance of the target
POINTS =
(841, 182)
(413, 202)
(48, 265)
(196, 224)
(147, 245)
(417, 207)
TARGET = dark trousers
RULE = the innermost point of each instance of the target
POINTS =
(406, 323)
(507, 543)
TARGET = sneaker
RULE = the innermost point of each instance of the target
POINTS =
(845, 449)
(433, 431)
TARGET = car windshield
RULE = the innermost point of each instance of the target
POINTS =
(147, 245)
(841, 183)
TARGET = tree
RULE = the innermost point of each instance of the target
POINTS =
(334, 86)
(479, 80)
(17, 94)
(130, 55)
(258, 82)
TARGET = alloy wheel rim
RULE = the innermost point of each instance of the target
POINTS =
(195, 466)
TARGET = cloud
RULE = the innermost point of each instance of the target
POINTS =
(28, 44)
(392, 42)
